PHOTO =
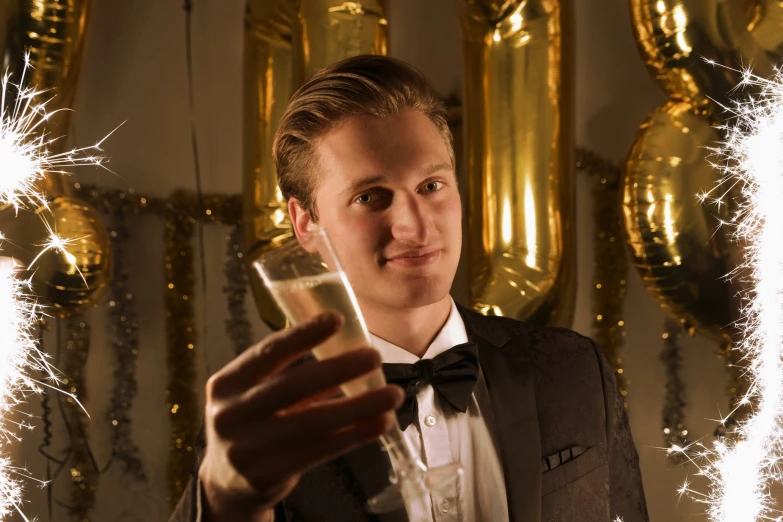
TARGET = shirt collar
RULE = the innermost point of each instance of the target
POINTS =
(451, 334)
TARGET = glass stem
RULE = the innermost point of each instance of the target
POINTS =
(404, 460)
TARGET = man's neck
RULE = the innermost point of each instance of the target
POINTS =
(412, 329)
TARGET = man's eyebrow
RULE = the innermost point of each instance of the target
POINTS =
(363, 182)
(372, 180)
(436, 167)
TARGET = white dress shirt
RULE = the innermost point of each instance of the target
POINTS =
(442, 435)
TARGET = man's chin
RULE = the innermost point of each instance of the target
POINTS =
(402, 297)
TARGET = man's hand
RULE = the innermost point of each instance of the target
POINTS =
(268, 423)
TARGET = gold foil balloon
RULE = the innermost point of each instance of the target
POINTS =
(285, 42)
(267, 88)
(53, 33)
(677, 247)
(327, 31)
(675, 242)
(677, 37)
(69, 278)
(519, 144)
(766, 26)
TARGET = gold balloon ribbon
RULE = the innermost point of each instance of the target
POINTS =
(53, 32)
(283, 47)
(518, 117)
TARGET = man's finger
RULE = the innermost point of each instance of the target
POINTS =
(296, 460)
(311, 424)
(292, 386)
(274, 353)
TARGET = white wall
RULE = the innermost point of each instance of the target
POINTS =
(134, 71)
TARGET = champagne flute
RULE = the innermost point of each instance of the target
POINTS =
(305, 279)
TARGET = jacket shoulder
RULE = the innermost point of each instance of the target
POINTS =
(504, 331)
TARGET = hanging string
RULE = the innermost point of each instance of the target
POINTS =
(188, 6)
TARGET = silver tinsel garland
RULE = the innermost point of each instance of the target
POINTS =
(123, 333)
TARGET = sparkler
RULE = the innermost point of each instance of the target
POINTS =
(740, 471)
(24, 161)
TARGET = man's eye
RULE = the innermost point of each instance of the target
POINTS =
(364, 199)
(433, 186)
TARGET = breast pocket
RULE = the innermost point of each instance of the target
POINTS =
(570, 471)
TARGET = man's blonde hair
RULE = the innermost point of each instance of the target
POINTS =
(366, 85)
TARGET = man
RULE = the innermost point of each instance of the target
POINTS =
(364, 150)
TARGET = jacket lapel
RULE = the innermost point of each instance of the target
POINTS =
(509, 379)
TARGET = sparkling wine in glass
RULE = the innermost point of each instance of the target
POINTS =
(305, 279)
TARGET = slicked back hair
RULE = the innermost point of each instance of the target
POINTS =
(362, 86)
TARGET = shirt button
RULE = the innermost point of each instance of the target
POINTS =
(445, 506)
(429, 420)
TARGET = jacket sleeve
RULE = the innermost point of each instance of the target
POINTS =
(187, 509)
(190, 507)
(626, 494)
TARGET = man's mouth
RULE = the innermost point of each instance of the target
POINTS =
(414, 258)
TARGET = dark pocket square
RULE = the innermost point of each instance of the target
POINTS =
(567, 466)
(561, 457)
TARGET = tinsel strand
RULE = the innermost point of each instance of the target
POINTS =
(83, 471)
(237, 325)
(123, 333)
(610, 268)
(737, 389)
(673, 415)
(217, 208)
(182, 401)
(179, 212)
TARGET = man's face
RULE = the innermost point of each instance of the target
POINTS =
(388, 199)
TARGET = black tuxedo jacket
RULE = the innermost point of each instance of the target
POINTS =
(565, 444)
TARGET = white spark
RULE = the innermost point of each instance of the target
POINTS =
(24, 145)
(24, 161)
(741, 470)
(18, 359)
(59, 244)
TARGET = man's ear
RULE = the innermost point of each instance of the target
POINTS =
(299, 218)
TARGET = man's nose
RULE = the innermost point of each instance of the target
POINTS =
(411, 220)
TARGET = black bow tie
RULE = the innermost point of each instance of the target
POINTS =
(452, 373)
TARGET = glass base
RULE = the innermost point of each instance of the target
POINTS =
(412, 486)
